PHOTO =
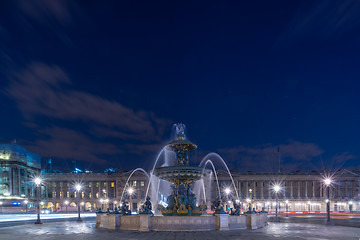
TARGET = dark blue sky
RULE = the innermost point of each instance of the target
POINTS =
(103, 82)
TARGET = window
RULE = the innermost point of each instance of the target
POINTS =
(97, 184)
(104, 184)
(75, 194)
(97, 195)
(142, 183)
(67, 194)
(82, 194)
(89, 184)
(112, 184)
(134, 183)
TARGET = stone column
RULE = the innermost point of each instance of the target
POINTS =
(99, 190)
(313, 189)
(299, 185)
(291, 190)
(26, 185)
(92, 190)
(19, 181)
(62, 190)
(306, 189)
(107, 189)
(247, 189)
(346, 189)
(269, 190)
(254, 190)
(262, 190)
(10, 180)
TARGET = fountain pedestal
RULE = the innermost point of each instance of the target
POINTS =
(145, 221)
(221, 222)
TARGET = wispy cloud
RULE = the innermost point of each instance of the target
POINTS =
(265, 157)
(44, 91)
(325, 19)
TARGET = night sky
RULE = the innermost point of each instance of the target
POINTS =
(101, 83)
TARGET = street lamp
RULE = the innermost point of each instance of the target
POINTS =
(327, 182)
(277, 188)
(37, 182)
(130, 191)
(26, 206)
(287, 208)
(102, 205)
(78, 188)
(66, 204)
(350, 206)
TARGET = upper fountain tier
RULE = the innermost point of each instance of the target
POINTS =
(181, 172)
(181, 146)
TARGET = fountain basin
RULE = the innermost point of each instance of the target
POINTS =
(181, 174)
(176, 223)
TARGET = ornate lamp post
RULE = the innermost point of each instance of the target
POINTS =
(276, 190)
(350, 206)
(37, 182)
(327, 182)
(227, 192)
(130, 191)
(26, 206)
(78, 188)
(66, 205)
(102, 205)
(287, 208)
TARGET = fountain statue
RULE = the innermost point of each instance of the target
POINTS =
(146, 207)
(124, 209)
(182, 200)
(218, 206)
(237, 208)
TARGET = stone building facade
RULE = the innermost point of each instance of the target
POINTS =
(299, 191)
(18, 166)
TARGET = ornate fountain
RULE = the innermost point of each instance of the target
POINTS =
(182, 200)
(181, 212)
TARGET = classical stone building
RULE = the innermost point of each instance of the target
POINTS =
(99, 190)
(17, 169)
(299, 191)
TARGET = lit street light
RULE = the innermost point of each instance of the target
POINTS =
(327, 182)
(26, 206)
(78, 188)
(277, 188)
(66, 205)
(130, 191)
(37, 182)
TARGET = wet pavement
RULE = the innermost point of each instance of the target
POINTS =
(88, 231)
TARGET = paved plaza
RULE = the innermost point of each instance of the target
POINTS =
(86, 230)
